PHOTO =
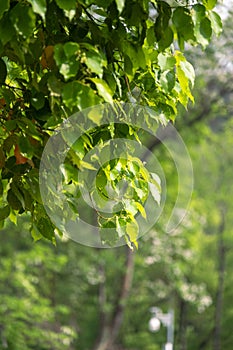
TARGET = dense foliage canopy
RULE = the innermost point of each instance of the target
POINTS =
(59, 57)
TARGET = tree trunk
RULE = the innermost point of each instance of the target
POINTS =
(220, 289)
(182, 326)
(110, 328)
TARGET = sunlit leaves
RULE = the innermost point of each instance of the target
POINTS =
(103, 89)
(120, 5)
(203, 29)
(136, 56)
(185, 74)
(123, 184)
(59, 57)
(94, 59)
(66, 57)
(166, 61)
(209, 4)
(155, 187)
(132, 233)
(75, 94)
(216, 22)
(39, 7)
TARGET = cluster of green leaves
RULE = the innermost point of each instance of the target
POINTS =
(30, 314)
(115, 184)
(59, 57)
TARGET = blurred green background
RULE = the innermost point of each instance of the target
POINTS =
(76, 297)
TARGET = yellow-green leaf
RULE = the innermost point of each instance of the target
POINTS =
(141, 209)
(132, 231)
(103, 89)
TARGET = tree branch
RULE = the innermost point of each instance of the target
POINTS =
(109, 332)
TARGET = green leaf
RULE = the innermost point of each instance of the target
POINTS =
(120, 5)
(59, 54)
(155, 192)
(183, 23)
(4, 212)
(130, 206)
(69, 70)
(103, 89)
(46, 228)
(29, 128)
(166, 39)
(168, 80)
(54, 85)
(95, 117)
(132, 231)
(95, 62)
(13, 200)
(69, 172)
(9, 142)
(66, 4)
(1, 188)
(43, 224)
(209, 4)
(71, 49)
(66, 57)
(39, 6)
(135, 54)
(75, 94)
(203, 29)
(144, 173)
(35, 233)
(216, 22)
(128, 66)
(141, 60)
(25, 147)
(120, 226)
(188, 70)
(4, 6)
(155, 187)
(184, 84)
(166, 61)
(150, 36)
(162, 21)
(141, 209)
(15, 186)
(108, 233)
(2, 158)
(185, 74)
(156, 180)
(3, 71)
(11, 125)
(28, 200)
(85, 165)
(38, 100)
(23, 19)
(33, 184)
